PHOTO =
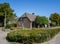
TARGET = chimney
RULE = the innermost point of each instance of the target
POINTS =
(33, 13)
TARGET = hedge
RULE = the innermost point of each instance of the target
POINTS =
(31, 36)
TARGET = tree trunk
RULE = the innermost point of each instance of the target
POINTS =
(5, 21)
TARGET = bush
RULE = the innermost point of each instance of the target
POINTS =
(10, 25)
(13, 42)
(30, 36)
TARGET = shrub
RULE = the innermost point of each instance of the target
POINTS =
(30, 36)
(13, 42)
(10, 25)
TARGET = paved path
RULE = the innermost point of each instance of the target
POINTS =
(55, 40)
(3, 37)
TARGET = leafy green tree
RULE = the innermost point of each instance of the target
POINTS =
(41, 20)
(38, 20)
(59, 20)
(55, 18)
(44, 20)
(7, 12)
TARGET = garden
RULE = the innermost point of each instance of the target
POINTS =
(32, 36)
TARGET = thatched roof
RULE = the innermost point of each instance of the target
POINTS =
(31, 17)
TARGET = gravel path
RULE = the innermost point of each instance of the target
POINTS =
(55, 40)
(3, 37)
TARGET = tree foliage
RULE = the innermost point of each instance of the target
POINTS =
(38, 20)
(55, 17)
(44, 20)
(41, 20)
(6, 9)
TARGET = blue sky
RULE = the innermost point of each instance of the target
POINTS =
(39, 7)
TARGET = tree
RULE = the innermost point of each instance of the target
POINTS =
(55, 18)
(7, 12)
(59, 19)
(44, 20)
(40, 20)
